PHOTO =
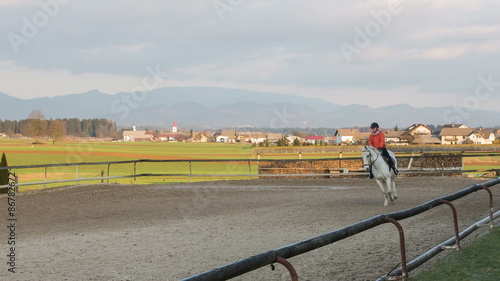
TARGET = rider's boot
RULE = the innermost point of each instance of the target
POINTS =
(396, 171)
(393, 167)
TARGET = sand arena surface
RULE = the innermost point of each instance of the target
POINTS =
(170, 232)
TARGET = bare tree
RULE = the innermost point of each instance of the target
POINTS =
(36, 124)
(57, 129)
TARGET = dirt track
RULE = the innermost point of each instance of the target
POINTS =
(169, 232)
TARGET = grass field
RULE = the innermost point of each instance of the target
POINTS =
(478, 261)
(21, 152)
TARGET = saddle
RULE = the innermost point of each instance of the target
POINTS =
(389, 161)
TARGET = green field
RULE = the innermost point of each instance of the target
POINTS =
(478, 261)
(22, 153)
(187, 156)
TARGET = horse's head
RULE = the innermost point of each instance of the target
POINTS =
(367, 158)
(369, 155)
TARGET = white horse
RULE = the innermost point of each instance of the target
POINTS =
(385, 177)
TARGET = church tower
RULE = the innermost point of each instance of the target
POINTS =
(174, 127)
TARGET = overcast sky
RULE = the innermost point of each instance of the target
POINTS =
(378, 53)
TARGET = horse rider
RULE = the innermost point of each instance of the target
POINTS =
(377, 140)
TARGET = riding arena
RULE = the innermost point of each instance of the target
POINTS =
(178, 231)
(171, 232)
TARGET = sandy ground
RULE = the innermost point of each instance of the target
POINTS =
(170, 232)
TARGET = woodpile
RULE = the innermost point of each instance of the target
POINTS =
(432, 164)
(297, 168)
(428, 164)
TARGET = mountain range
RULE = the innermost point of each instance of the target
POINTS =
(217, 108)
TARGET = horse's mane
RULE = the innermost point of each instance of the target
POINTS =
(372, 149)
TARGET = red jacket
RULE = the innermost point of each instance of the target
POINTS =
(377, 139)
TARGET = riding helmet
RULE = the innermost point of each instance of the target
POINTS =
(374, 125)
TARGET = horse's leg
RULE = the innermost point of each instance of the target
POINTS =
(390, 188)
(383, 187)
(394, 194)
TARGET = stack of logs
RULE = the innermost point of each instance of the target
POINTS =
(427, 164)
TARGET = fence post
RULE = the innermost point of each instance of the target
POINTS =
(402, 245)
(455, 223)
(411, 161)
(135, 170)
(463, 162)
(45, 178)
(102, 176)
(190, 172)
(249, 171)
(289, 267)
(109, 164)
(77, 174)
(490, 205)
(422, 162)
(16, 182)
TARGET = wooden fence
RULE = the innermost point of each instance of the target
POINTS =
(430, 164)
(426, 164)
(281, 255)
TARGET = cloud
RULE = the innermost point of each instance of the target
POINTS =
(112, 50)
(465, 32)
(28, 83)
(437, 47)
(445, 52)
(5, 3)
(489, 47)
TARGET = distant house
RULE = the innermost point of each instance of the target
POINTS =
(481, 136)
(202, 138)
(454, 135)
(315, 139)
(227, 136)
(333, 140)
(168, 136)
(199, 137)
(466, 135)
(397, 137)
(419, 129)
(137, 136)
(453, 125)
(257, 137)
(347, 135)
(421, 134)
(425, 139)
(274, 137)
(243, 137)
(291, 139)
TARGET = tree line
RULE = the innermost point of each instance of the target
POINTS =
(37, 126)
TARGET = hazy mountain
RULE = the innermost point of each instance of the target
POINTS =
(205, 107)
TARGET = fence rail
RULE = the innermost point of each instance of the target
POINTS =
(258, 172)
(257, 261)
